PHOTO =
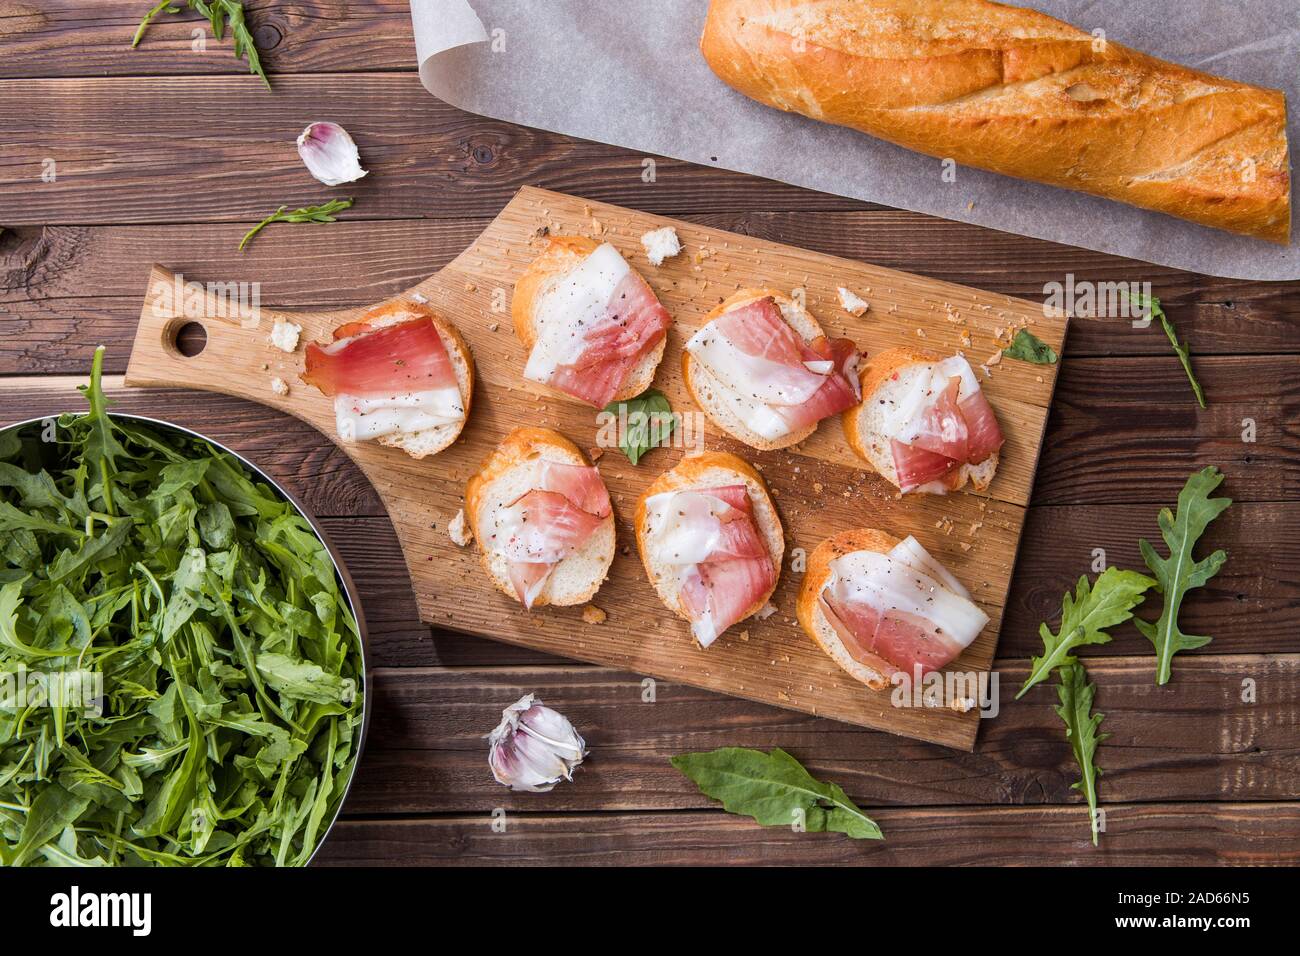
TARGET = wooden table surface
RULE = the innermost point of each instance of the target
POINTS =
(169, 154)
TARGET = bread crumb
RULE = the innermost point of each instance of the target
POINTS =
(744, 635)
(661, 244)
(470, 287)
(593, 615)
(851, 303)
(993, 359)
(284, 335)
(459, 530)
(279, 386)
(494, 326)
(766, 611)
(422, 299)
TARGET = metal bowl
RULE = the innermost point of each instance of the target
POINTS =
(345, 582)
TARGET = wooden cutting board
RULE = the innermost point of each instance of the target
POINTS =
(818, 485)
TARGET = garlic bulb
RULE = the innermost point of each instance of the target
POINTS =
(330, 154)
(533, 747)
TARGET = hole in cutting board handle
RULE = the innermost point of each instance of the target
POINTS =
(188, 338)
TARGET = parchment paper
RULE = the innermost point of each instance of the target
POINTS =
(629, 72)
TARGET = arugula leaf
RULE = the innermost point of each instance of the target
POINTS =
(1152, 306)
(322, 213)
(1180, 572)
(1081, 725)
(1085, 617)
(230, 709)
(644, 422)
(775, 790)
(220, 14)
(1027, 347)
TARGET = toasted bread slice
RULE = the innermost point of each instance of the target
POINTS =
(710, 470)
(561, 256)
(503, 479)
(429, 441)
(809, 612)
(704, 385)
(881, 391)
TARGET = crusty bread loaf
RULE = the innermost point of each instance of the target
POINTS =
(430, 441)
(1017, 92)
(702, 383)
(561, 256)
(880, 391)
(710, 470)
(809, 612)
(503, 480)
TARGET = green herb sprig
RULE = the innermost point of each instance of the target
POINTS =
(230, 707)
(1085, 617)
(1151, 305)
(1181, 572)
(775, 790)
(322, 213)
(222, 15)
(1081, 725)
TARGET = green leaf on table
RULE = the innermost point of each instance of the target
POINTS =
(1151, 305)
(1181, 572)
(643, 422)
(775, 790)
(1027, 347)
(322, 213)
(1081, 725)
(221, 14)
(1085, 617)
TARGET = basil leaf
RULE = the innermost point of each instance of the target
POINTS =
(1027, 347)
(644, 422)
(1180, 572)
(775, 790)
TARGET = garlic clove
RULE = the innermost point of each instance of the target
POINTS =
(330, 154)
(534, 747)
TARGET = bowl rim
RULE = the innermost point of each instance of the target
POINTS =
(340, 568)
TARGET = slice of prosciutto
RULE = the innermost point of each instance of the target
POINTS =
(547, 524)
(710, 537)
(901, 611)
(944, 422)
(395, 378)
(593, 327)
(773, 380)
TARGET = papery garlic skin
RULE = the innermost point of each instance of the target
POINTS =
(330, 154)
(534, 747)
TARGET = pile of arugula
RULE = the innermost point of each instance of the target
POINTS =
(230, 660)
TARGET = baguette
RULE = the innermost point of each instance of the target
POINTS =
(501, 481)
(710, 470)
(704, 386)
(1018, 92)
(886, 377)
(561, 256)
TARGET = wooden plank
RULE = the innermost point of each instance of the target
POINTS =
(1167, 834)
(426, 752)
(114, 141)
(67, 38)
(818, 484)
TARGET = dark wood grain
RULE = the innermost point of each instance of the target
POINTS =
(63, 38)
(1176, 834)
(427, 753)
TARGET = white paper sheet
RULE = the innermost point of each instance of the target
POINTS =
(629, 72)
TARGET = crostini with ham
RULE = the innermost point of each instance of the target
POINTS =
(593, 327)
(924, 423)
(401, 374)
(541, 516)
(764, 372)
(711, 542)
(879, 606)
